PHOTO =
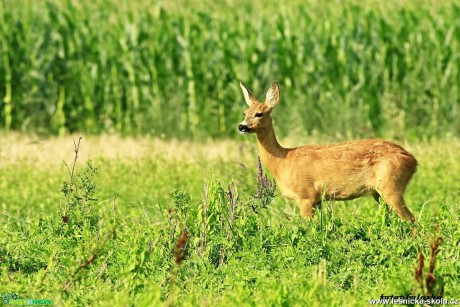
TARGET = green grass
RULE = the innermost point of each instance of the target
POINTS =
(242, 256)
(346, 68)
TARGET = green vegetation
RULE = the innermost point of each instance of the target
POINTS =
(108, 237)
(346, 68)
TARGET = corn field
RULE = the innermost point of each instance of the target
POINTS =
(171, 69)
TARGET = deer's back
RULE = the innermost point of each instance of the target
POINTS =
(362, 153)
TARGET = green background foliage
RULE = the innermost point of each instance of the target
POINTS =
(348, 68)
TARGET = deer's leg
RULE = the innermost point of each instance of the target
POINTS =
(393, 182)
(396, 202)
(306, 208)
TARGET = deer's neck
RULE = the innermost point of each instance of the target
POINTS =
(271, 152)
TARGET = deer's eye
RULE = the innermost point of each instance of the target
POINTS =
(259, 114)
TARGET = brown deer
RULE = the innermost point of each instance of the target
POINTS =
(342, 171)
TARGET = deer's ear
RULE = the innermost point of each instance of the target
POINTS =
(273, 95)
(248, 96)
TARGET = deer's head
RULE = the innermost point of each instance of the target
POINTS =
(257, 116)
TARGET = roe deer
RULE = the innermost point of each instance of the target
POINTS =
(339, 171)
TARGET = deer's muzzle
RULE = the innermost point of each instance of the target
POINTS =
(243, 128)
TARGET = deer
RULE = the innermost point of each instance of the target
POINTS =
(310, 174)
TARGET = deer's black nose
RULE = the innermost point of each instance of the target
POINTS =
(243, 128)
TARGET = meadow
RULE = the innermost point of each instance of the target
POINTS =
(165, 203)
(117, 244)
